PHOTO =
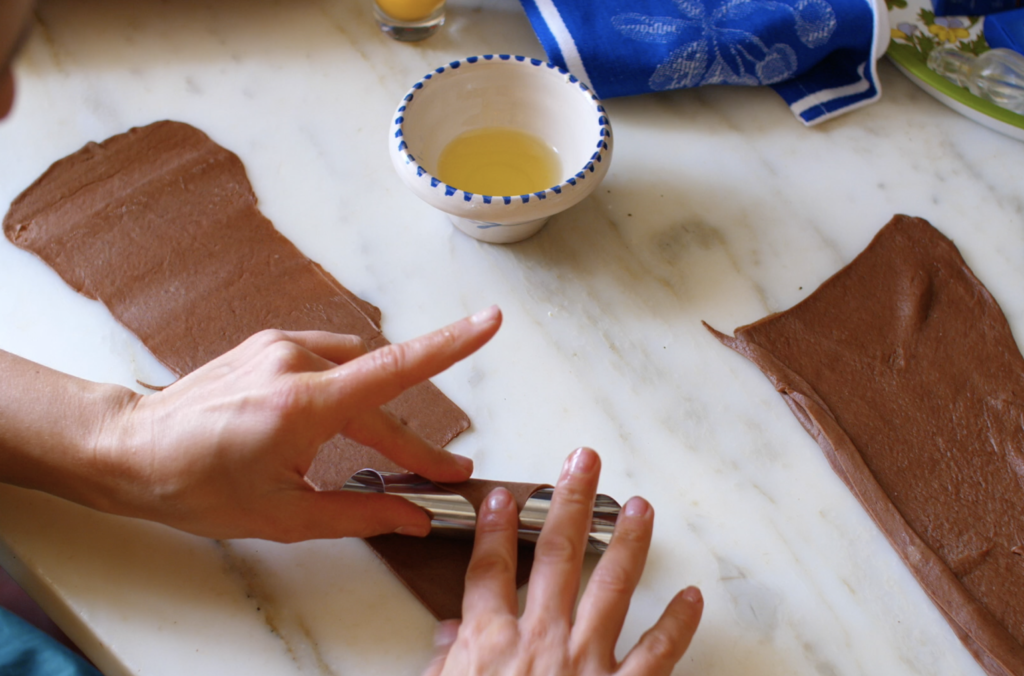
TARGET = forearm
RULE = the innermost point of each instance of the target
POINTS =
(51, 427)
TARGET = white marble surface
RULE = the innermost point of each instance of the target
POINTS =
(719, 206)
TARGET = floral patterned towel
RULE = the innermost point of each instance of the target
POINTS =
(819, 55)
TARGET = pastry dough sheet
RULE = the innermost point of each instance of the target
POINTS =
(160, 224)
(903, 368)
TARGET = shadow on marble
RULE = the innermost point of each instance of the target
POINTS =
(104, 34)
(680, 268)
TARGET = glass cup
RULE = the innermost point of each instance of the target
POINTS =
(409, 20)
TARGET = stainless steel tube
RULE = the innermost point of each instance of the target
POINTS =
(453, 515)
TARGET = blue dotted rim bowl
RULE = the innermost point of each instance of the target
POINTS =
(501, 90)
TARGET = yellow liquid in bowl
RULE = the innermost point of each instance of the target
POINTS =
(499, 161)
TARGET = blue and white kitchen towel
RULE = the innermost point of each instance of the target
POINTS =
(818, 55)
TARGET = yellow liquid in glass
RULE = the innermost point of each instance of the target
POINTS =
(409, 10)
(499, 161)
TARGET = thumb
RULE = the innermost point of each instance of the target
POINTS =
(444, 637)
(337, 514)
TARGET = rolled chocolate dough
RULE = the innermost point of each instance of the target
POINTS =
(903, 368)
(422, 564)
(160, 224)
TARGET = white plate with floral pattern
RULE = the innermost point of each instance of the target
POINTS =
(915, 31)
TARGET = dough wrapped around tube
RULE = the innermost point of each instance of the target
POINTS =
(453, 507)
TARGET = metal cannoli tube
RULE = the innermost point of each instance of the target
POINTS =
(454, 516)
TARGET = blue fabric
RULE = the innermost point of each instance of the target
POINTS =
(1005, 30)
(26, 651)
(817, 54)
(972, 7)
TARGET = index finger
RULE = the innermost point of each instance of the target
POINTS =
(378, 377)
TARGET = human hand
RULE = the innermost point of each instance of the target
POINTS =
(223, 452)
(492, 641)
(15, 24)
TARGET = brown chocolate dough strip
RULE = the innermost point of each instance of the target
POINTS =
(160, 224)
(423, 564)
(903, 368)
(434, 568)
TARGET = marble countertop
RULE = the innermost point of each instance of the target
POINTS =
(719, 206)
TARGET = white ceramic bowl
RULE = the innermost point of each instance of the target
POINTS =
(499, 90)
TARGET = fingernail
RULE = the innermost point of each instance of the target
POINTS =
(413, 531)
(463, 462)
(636, 507)
(582, 461)
(485, 316)
(693, 595)
(499, 500)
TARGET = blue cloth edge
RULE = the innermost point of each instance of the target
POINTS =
(829, 108)
(27, 651)
(810, 107)
(544, 34)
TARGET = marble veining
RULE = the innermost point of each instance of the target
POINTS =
(718, 206)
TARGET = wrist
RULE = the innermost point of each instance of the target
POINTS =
(58, 432)
(108, 459)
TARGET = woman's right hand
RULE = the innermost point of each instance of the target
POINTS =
(492, 640)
